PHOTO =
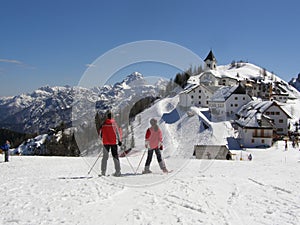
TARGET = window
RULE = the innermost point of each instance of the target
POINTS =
(272, 113)
(192, 96)
(252, 140)
(236, 98)
(262, 141)
(280, 129)
(231, 105)
(199, 91)
(267, 113)
(280, 121)
(236, 105)
(277, 113)
(244, 98)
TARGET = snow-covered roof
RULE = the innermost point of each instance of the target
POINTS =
(210, 88)
(225, 92)
(255, 119)
(259, 106)
(189, 88)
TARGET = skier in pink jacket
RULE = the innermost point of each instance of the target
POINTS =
(153, 141)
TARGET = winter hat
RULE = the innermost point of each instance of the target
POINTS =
(109, 114)
(153, 122)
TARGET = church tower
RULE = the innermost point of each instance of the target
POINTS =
(211, 61)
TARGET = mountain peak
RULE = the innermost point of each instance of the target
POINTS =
(295, 82)
(135, 76)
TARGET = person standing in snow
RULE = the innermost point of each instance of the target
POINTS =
(5, 148)
(111, 138)
(153, 141)
(286, 145)
(250, 157)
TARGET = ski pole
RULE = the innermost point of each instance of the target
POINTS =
(94, 163)
(128, 160)
(140, 163)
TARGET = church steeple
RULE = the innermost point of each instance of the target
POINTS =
(211, 61)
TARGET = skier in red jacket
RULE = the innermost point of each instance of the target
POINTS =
(153, 141)
(111, 137)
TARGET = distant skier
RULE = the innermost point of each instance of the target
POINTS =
(286, 145)
(153, 141)
(5, 148)
(111, 137)
(229, 156)
(250, 157)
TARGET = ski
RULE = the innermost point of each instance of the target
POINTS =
(158, 173)
(100, 175)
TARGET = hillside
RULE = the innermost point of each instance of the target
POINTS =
(248, 71)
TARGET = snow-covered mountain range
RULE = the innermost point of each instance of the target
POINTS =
(47, 107)
(295, 82)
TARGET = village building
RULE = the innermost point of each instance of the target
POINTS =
(210, 61)
(209, 82)
(280, 97)
(211, 152)
(226, 102)
(270, 109)
(254, 129)
(196, 95)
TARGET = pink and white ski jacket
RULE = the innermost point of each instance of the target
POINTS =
(153, 138)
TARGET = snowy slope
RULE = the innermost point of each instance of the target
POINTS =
(254, 72)
(53, 190)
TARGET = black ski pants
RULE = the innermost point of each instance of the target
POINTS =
(6, 154)
(150, 155)
(114, 152)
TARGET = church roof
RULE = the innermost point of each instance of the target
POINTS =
(210, 56)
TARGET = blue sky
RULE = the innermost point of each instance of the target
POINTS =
(50, 42)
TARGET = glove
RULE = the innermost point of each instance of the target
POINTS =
(160, 146)
(147, 144)
(120, 143)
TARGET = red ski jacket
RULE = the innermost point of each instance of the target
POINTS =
(154, 138)
(110, 132)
